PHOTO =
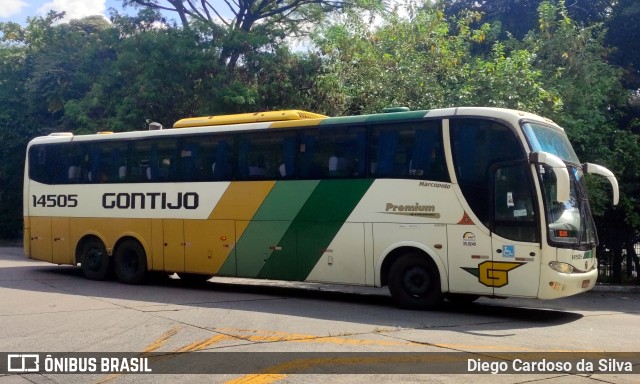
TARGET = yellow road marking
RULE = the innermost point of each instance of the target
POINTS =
(159, 342)
(201, 344)
(162, 340)
(299, 365)
(271, 375)
(275, 336)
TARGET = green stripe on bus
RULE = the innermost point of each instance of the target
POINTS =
(265, 232)
(314, 228)
(380, 117)
(400, 116)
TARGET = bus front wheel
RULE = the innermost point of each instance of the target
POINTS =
(95, 262)
(131, 262)
(414, 282)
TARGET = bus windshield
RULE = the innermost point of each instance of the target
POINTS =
(543, 138)
(569, 223)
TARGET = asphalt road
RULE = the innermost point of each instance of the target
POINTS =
(48, 309)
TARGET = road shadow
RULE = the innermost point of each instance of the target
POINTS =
(270, 297)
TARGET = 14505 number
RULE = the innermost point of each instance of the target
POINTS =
(51, 201)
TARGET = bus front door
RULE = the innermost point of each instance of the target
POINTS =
(515, 269)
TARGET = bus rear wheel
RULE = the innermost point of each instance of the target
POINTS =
(131, 262)
(95, 262)
(414, 282)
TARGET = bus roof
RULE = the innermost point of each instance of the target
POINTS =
(292, 118)
(298, 118)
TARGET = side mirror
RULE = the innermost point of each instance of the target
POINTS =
(559, 169)
(595, 169)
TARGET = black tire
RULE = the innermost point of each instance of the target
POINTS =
(414, 282)
(461, 298)
(95, 262)
(131, 262)
(193, 278)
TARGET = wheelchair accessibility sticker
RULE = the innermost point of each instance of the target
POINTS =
(508, 251)
(493, 273)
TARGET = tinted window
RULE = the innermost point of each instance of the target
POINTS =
(333, 152)
(153, 160)
(408, 151)
(204, 158)
(107, 162)
(40, 159)
(477, 145)
(266, 155)
(63, 163)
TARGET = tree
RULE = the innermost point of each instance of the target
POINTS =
(249, 19)
(15, 129)
(575, 62)
(17, 123)
(624, 34)
(150, 73)
(426, 61)
(518, 17)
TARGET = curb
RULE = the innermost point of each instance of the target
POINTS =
(617, 288)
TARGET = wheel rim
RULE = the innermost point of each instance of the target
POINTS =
(416, 281)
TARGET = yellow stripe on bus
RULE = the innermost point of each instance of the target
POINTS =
(239, 203)
(241, 200)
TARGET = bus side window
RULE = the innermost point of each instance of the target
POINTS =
(266, 155)
(72, 159)
(165, 160)
(188, 161)
(427, 158)
(408, 150)
(288, 167)
(205, 158)
(384, 164)
(41, 162)
(308, 170)
(155, 160)
(242, 170)
(221, 167)
(333, 152)
(115, 164)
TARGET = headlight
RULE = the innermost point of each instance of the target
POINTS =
(564, 267)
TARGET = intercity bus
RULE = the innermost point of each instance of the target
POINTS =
(452, 203)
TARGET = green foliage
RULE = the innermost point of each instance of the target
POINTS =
(624, 34)
(15, 129)
(518, 17)
(573, 61)
(254, 23)
(427, 61)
